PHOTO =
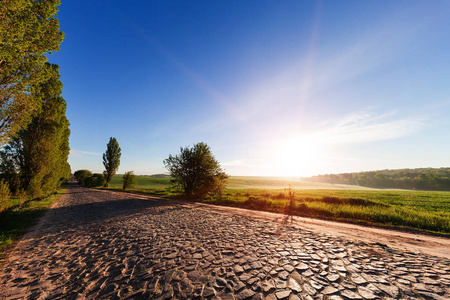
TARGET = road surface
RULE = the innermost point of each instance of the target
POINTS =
(106, 245)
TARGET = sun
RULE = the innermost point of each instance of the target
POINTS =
(298, 156)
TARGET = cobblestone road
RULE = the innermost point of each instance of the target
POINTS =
(103, 245)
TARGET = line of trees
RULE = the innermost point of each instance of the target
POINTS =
(35, 159)
(34, 130)
(194, 172)
(420, 178)
(28, 31)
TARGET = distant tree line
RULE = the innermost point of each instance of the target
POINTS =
(194, 171)
(87, 179)
(421, 179)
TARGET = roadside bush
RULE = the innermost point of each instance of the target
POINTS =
(80, 175)
(99, 179)
(5, 195)
(266, 195)
(95, 180)
(256, 203)
(280, 196)
(128, 180)
(88, 182)
(22, 196)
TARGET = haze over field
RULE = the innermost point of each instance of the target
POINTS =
(275, 88)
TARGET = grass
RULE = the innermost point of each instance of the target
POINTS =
(420, 210)
(15, 220)
(148, 185)
(426, 211)
(242, 182)
(254, 182)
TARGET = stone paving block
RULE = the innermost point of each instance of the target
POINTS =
(102, 245)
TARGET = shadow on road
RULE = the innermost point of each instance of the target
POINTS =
(82, 207)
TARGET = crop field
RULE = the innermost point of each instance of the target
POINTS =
(421, 210)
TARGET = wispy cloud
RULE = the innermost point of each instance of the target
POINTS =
(367, 126)
(79, 153)
(292, 90)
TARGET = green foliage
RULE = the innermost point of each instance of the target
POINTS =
(95, 180)
(45, 143)
(28, 31)
(111, 159)
(87, 179)
(21, 197)
(196, 171)
(36, 159)
(89, 182)
(128, 180)
(80, 175)
(421, 179)
(99, 179)
(5, 195)
(10, 165)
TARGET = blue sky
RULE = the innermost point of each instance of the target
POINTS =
(282, 88)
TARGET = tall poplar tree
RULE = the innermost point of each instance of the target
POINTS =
(111, 160)
(28, 31)
(39, 153)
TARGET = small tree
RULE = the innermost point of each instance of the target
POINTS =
(128, 180)
(196, 171)
(111, 160)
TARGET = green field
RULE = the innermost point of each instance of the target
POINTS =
(254, 182)
(243, 182)
(143, 182)
(421, 210)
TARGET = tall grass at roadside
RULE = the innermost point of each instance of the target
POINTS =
(20, 215)
(368, 208)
